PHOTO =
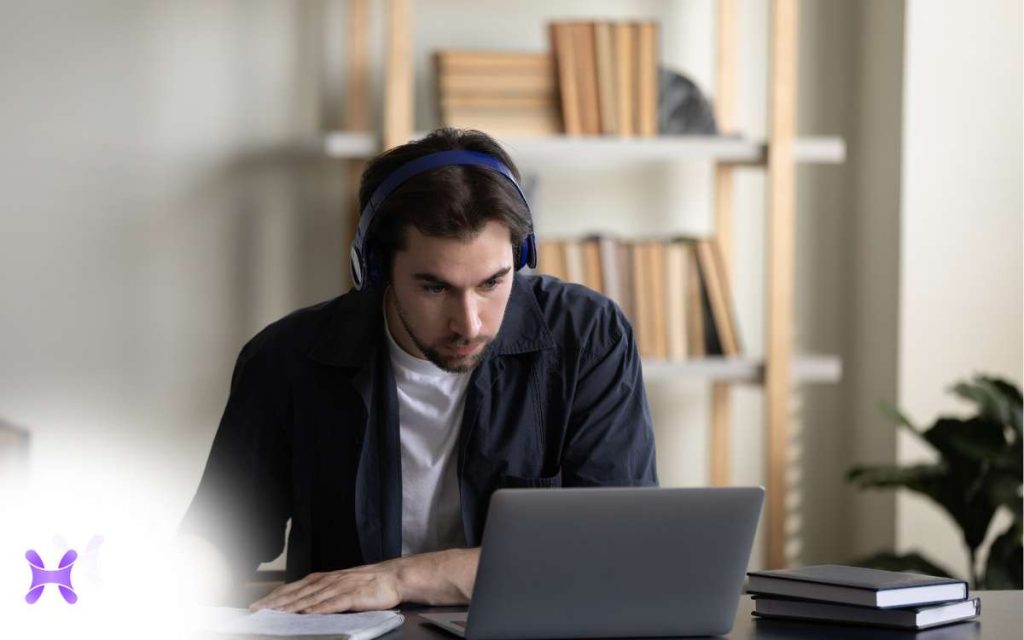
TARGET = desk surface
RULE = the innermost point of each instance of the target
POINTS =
(1000, 620)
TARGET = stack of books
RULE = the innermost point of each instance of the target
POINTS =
(607, 77)
(500, 92)
(859, 596)
(675, 292)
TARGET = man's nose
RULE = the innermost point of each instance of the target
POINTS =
(464, 320)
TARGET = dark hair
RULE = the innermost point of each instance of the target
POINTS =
(449, 202)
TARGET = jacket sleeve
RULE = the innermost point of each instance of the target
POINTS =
(610, 438)
(243, 499)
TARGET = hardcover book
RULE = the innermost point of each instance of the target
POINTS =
(923, 617)
(856, 585)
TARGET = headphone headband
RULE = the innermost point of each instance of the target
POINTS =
(360, 259)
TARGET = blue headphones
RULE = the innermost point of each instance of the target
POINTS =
(365, 269)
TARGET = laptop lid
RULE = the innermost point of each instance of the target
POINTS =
(612, 562)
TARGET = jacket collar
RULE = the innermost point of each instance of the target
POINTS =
(353, 329)
(523, 330)
(355, 324)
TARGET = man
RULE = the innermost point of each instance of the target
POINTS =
(381, 422)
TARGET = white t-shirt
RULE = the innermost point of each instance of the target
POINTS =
(430, 406)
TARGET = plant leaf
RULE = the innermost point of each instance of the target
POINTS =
(1005, 557)
(878, 476)
(978, 439)
(1005, 490)
(913, 562)
(897, 416)
(996, 399)
(957, 490)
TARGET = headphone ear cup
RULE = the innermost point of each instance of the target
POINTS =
(357, 268)
(527, 255)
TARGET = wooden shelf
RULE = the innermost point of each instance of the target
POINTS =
(572, 149)
(805, 369)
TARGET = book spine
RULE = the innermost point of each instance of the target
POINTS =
(647, 79)
(716, 297)
(641, 300)
(675, 296)
(592, 268)
(573, 261)
(466, 62)
(659, 328)
(565, 59)
(694, 304)
(586, 74)
(606, 88)
(624, 82)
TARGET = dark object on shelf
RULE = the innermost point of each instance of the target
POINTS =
(979, 471)
(682, 108)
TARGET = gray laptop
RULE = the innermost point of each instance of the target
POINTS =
(609, 562)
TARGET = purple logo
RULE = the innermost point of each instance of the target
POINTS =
(61, 576)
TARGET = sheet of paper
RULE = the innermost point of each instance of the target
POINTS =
(355, 626)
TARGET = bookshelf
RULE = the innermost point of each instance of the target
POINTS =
(739, 370)
(777, 155)
(733, 150)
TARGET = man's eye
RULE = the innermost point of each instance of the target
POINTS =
(492, 283)
(434, 288)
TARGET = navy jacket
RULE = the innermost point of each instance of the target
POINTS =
(310, 431)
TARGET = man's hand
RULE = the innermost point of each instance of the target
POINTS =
(438, 578)
(367, 588)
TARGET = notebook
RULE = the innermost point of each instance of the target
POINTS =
(923, 617)
(856, 585)
(340, 626)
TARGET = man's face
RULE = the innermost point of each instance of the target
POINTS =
(448, 296)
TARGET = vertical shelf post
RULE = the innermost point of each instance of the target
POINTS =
(780, 271)
(398, 88)
(725, 110)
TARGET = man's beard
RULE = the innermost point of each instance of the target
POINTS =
(434, 355)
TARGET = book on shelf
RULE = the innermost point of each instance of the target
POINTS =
(712, 269)
(607, 76)
(551, 259)
(573, 261)
(919, 617)
(504, 122)
(500, 92)
(604, 59)
(593, 276)
(586, 77)
(647, 79)
(643, 325)
(564, 49)
(625, 71)
(611, 269)
(694, 304)
(474, 62)
(628, 296)
(660, 285)
(675, 299)
(856, 586)
(656, 269)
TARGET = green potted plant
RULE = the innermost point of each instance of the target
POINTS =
(978, 471)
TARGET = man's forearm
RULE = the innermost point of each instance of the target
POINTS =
(440, 577)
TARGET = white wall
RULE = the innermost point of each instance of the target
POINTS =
(960, 250)
(149, 223)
